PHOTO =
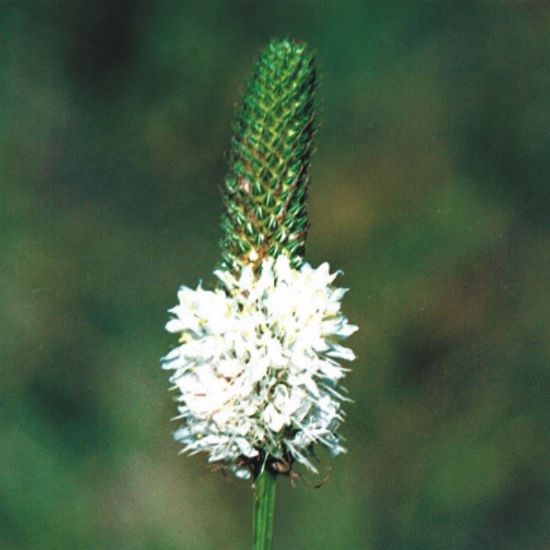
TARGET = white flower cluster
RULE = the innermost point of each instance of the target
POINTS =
(256, 368)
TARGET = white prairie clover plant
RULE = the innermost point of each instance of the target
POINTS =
(257, 367)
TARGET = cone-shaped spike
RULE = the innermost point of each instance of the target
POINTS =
(266, 184)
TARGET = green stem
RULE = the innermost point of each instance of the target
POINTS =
(264, 506)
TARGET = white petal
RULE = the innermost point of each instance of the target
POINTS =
(341, 352)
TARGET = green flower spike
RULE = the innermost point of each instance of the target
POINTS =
(257, 366)
(269, 163)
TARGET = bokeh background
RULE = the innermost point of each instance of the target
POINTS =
(430, 190)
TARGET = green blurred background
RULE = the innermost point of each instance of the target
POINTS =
(430, 190)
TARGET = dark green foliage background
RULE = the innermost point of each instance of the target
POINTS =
(430, 190)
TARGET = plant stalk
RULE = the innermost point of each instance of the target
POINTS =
(264, 507)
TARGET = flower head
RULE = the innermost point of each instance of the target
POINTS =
(256, 368)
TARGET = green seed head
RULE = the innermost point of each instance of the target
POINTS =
(269, 163)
